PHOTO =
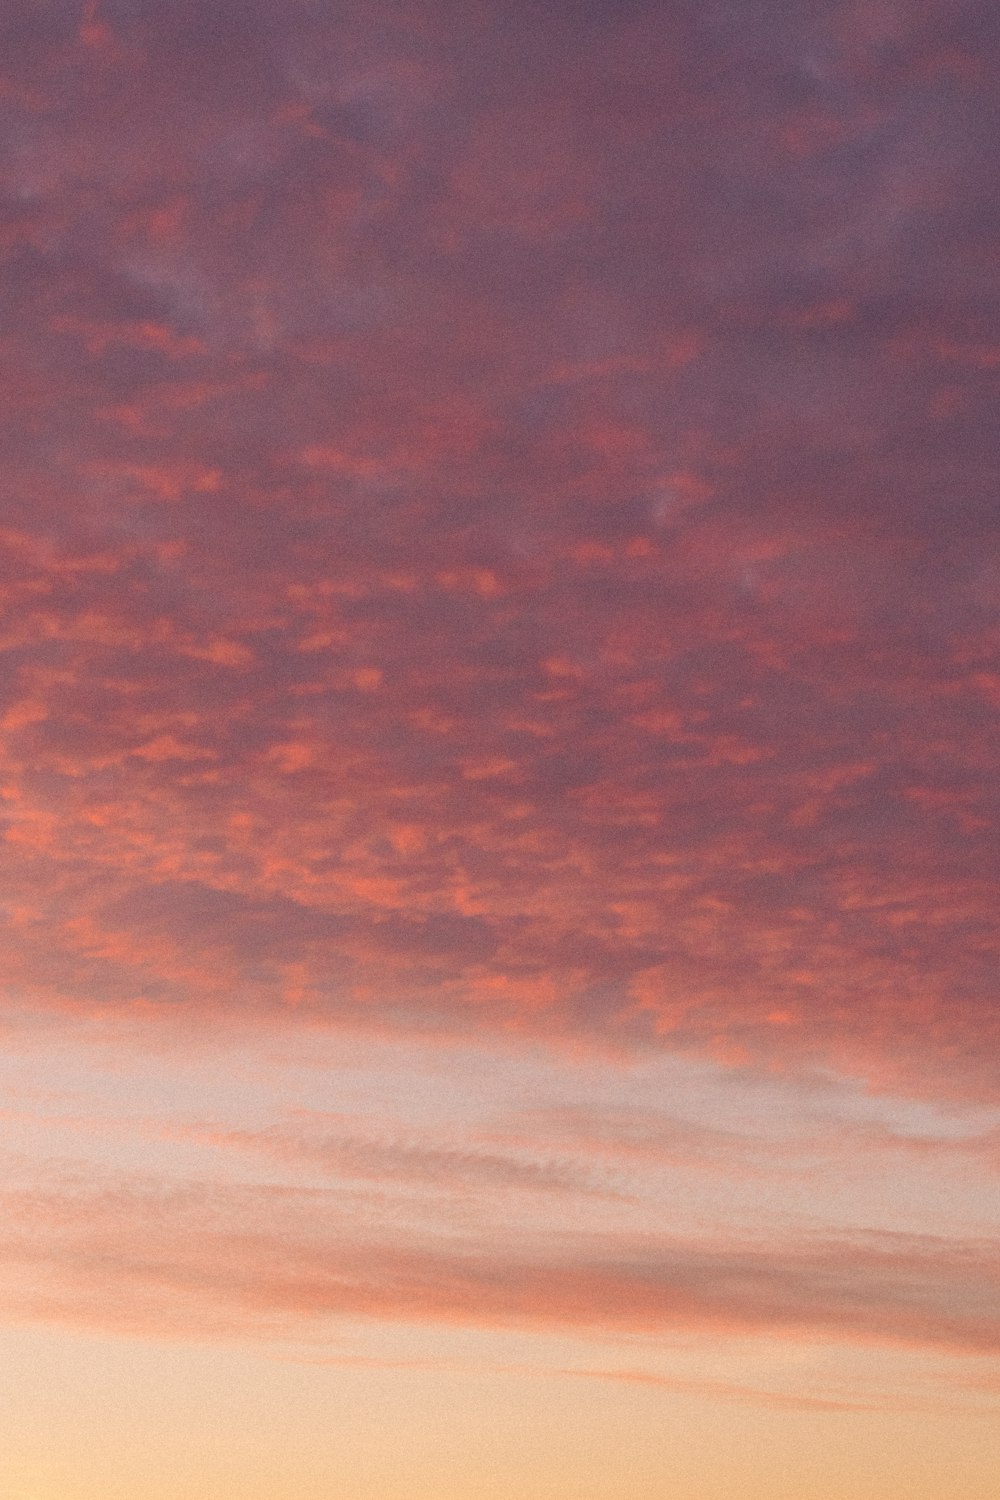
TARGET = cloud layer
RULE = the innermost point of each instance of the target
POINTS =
(199, 1259)
(499, 523)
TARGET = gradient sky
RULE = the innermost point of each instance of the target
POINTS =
(499, 757)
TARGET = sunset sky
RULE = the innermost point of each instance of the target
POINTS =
(499, 755)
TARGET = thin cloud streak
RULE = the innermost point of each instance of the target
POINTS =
(728, 1391)
(174, 1257)
(340, 1153)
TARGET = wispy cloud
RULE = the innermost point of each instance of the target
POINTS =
(181, 1256)
(498, 568)
(335, 1150)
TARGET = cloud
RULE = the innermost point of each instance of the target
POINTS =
(729, 1391)
(500, 525)
(335, 1149)
(648, 1136)
(715, 1389)
(189, 1257)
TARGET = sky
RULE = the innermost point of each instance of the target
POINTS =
(499, 681)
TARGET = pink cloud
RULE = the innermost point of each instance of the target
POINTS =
(179, 1257)
(498, 571)
(504, 546)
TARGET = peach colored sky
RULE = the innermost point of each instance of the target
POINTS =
(499, 609)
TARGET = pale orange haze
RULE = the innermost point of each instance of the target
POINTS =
(499, 682)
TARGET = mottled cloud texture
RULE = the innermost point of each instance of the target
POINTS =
(500, 517)
(499, 550)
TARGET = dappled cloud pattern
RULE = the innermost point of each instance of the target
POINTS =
(490, 549)
(499, 693)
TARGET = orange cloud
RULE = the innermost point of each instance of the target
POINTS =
(166, 1257)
